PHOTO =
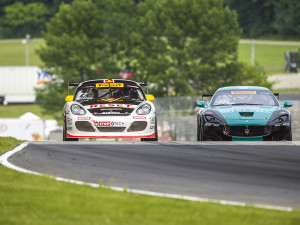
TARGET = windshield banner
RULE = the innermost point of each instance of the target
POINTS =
(100, 85)
(243, 92)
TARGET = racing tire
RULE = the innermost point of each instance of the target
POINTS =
(199, 133)
(156, 134)
(289, 137)
(65, 134)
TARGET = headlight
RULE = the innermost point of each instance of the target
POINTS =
(77, 110)
(281, 119)
(144, 109)
(212, 119)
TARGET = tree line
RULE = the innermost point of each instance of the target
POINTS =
(18, 18)
(256, 18)
(267, 18)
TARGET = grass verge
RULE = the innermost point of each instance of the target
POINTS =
(15, 111)
(30, 199)
(13, 53)
(270, 57)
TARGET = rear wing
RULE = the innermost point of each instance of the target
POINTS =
(143, 83)
(276, 95)
(73, 84)
(207, 96)
(76, 84)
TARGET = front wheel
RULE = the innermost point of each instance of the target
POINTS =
(289, 137)
(65, 134)
(156, 134)
(199, 132)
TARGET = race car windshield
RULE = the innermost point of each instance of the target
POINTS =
(244, 97)
(91, 93)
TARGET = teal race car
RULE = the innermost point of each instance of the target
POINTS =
(244, 113)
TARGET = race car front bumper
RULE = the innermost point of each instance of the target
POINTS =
(216, 132)
(114, 126)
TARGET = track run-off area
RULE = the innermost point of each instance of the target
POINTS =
(260, 174)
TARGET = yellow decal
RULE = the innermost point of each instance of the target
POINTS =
(110, 85)
(243, 92)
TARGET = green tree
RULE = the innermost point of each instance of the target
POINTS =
(52, 97)
(287, 18)
(71, 41)
(255, 17)
(24, 19)
(184, 45)
(244, 74)
(117, 18)
(262, 18)
(84, 41)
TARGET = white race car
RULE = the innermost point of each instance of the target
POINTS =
(109, 108)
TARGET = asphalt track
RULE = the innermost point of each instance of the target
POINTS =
(256, 174)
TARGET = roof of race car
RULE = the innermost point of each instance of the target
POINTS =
(243, 88)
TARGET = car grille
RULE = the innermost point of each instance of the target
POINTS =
(111, 111)
(252, 131)
(84, 126)
(137, 126)
(111, 129)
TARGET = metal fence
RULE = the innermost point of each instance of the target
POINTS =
(177, 117)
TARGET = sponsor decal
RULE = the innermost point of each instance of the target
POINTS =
(83, 118)
(152, 120)
(139, 117)
(69, 121)
(100, 85)
(223, 111)
(245, 109)
(43, 77)
(117, 123)
(109, 81)
(107, 123)
(102, 124)
(112, 106)
(243, 92)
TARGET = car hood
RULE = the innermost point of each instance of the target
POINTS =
(246, 115)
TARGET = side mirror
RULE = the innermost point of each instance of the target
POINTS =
(69, 98)
(150, 97)
(287, 104)
(201, 104)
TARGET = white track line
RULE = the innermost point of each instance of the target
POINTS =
(4, 161)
